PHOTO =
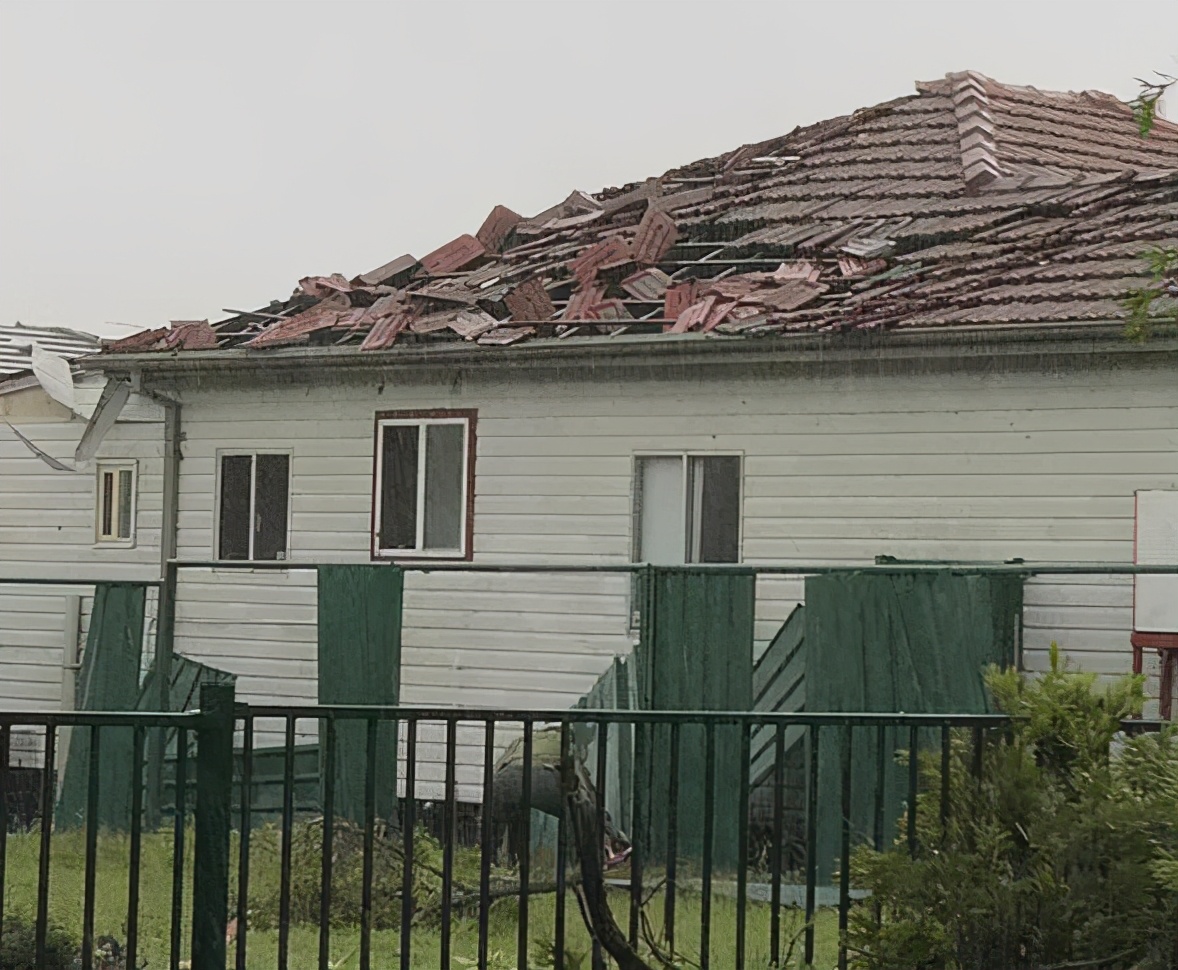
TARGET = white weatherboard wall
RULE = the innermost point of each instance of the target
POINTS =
(47, 521)
(1038, 466)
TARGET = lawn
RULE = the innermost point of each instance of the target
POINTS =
(65, 901)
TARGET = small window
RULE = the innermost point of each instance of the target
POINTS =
(254, 503)
(686, 510)
(116, 502)
(424, 481)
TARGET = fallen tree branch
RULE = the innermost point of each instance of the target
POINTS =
(599, 919)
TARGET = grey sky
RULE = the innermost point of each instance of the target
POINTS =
(164, 160)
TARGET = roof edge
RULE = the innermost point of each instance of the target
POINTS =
(686, 349)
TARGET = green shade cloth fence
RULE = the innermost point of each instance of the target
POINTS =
(360, 663)
(109, 681)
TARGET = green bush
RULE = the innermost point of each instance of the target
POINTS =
(1061, 853)
(18, 946)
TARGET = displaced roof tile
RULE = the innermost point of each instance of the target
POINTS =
(497, 227)
(453, 256)
(655, 237)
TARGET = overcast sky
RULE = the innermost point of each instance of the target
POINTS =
(164, 160)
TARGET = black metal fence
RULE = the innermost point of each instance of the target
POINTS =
(700, 870)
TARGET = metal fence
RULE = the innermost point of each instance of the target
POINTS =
(678, 892)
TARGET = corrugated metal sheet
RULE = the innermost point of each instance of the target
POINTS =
(16, 346)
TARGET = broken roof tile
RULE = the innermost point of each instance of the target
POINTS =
(384, 333)
(505, 336)
(678, 298)
(614, 251)
(530, 301)
(647, 284)
(497, 227)
(400, 265)
(583, 298)
(472, 324)
(453, 256)
(655, 237)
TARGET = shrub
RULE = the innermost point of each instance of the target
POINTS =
(1060, 853)
(18, 946)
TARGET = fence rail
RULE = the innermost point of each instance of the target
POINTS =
(699, 872)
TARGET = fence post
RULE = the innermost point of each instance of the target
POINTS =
(214, 791)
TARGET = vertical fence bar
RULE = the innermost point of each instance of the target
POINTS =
(157, 751)
(638, 834)
(285, 850)
(742, 846)
(4, 743)
(91, 864)
(776, 849)
(599, 813)
(179, 798)
(47, 789)
(521, 945)
(214, 803)
(672, 838)
(913, 785)
(369, 843)
(561, 851)
(705, 930)
(328, 844)
(449, 821)
(138, 745)
(243, 857)
(945, 748)
(487, 840)
(845, 847)
(811, 843)
(408, 823)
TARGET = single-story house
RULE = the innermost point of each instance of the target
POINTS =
(900, 332)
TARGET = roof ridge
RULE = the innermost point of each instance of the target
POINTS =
(975, 129)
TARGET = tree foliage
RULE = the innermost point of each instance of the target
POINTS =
(1064, 852)
(1162, 261)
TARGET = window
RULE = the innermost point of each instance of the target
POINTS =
(115, 503)
(253, 505)
(686, 510)
(424, 484)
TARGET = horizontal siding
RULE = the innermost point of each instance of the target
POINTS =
(47, 516)
(1039, 466)
(47, 531)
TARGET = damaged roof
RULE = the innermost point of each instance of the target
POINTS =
(968, 203)
(16, 346)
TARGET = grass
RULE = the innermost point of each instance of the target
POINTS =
(111, 893)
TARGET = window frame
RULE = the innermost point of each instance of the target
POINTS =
(468, 419)
(685, 457)
(115, 466)
(222, 453)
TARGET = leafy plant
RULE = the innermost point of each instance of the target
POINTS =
(18, 946)
(1162, 270)
(1059, 853)
(1145, 105)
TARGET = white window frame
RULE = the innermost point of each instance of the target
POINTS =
(114, 467)
(417, 552)
(685, 460)
(253, 453)
(685, 478)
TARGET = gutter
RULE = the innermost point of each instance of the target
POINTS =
(635, 350)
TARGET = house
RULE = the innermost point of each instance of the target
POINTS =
(63, 517)
(899, 332)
